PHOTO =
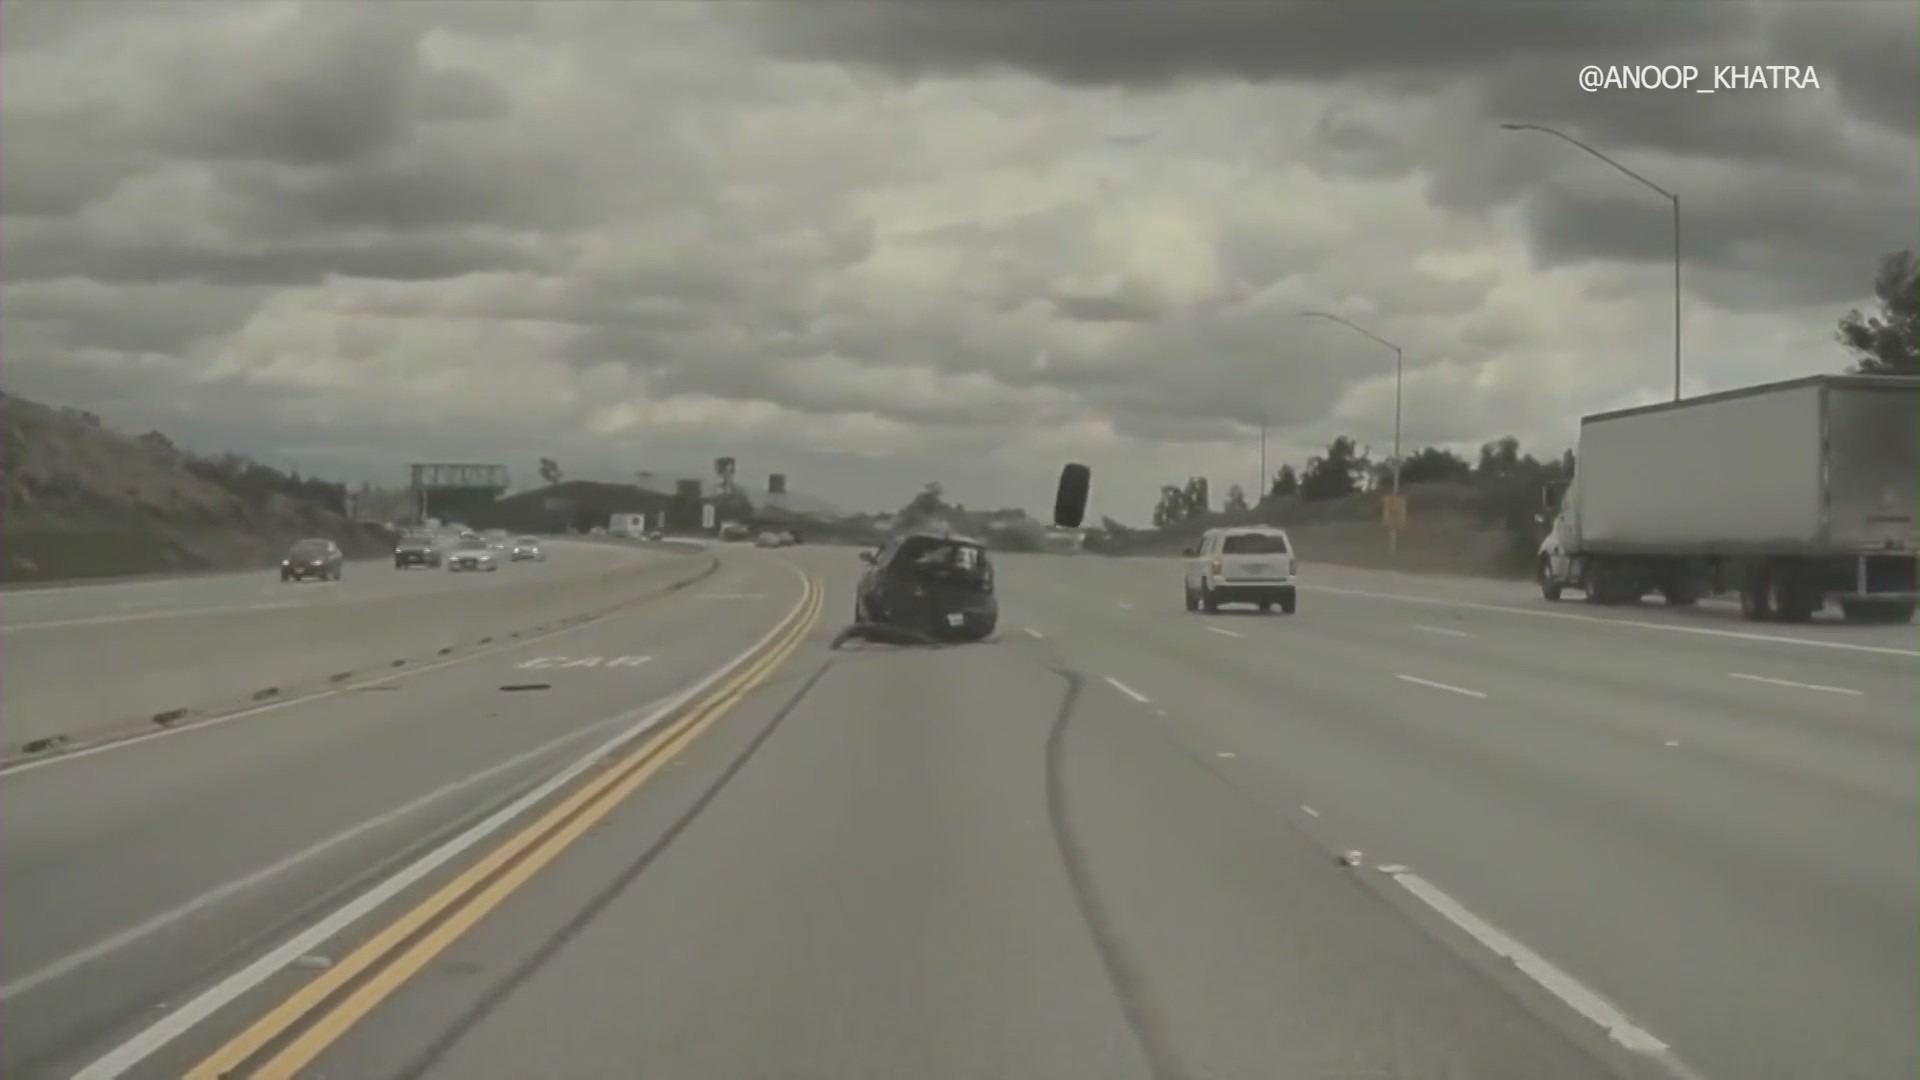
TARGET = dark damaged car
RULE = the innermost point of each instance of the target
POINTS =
(932, 585)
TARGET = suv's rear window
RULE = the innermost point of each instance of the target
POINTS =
(307, 549)
(1254, 544)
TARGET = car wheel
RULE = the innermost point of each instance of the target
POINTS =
(1207, 602)
(1187, 594)
(1266, 606)
(1286, 606)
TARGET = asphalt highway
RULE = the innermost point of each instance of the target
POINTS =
(1110, 843)
(160, 599)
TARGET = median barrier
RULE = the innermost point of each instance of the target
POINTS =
(64, 686)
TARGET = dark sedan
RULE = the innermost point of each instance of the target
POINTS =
(317, 559)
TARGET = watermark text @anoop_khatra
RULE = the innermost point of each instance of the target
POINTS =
(1710, 79)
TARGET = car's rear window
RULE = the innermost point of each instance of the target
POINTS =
(1254, 544)
(309, 548)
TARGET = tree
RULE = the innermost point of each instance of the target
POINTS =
(723, 471)
(1172, 507)
(549, 471)
(1195, 497)
(1887, 343)
(1499, 460)
(927, 506)
(1236, 501)
(1286, 483)
(1432, 465)
(1335, 474)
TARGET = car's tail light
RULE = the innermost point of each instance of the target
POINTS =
(1289, 566)
(1219, 566)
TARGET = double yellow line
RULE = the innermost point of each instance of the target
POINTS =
(464, 901)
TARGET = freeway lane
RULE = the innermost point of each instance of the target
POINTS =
(148, 600)
(977, 861)
(125, 875)
(1734, 862)
(73, 682)
(1104, 845)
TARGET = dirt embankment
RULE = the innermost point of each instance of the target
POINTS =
(80, 500)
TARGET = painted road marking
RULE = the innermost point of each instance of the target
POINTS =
(1794, 685)
(1035, 634)
(1705, 631)
(1555, 981)
(147, 928)
(1125, 606)
(1440, 686)
(542, 663)
(191, 1013)
(518, 861)
(1442, 630)
(129, 742)
(731, 595)
(1224, 632)
(1128, 690)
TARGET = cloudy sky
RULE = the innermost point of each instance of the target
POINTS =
(873, 245)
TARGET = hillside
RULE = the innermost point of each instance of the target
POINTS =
(80, 500)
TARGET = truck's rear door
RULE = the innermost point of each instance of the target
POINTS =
(1873, 465)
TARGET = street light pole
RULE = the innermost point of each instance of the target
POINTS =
(1399, 383)
(1670, 196)
(1260, 494)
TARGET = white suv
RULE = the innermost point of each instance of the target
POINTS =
(1246, 564)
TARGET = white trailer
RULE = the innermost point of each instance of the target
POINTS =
(1792, 494)
(628, 525)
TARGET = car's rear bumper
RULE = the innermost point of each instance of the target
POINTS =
(1252, 592)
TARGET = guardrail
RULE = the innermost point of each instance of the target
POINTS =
(67, 686)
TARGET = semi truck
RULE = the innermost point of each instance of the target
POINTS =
(1793, 495)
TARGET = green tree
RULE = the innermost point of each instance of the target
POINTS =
(1236, 501)
(1196, 498)
(1887, 343)
(1286, 483)
(549, 471)
(1172, 507)
(1334, 474)
(927, 506)
(1433, 465)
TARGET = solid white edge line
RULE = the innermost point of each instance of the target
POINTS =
(1440, 686)
(1128, 690)
(190, 1014)
(1223, 631)
(1561, 985)
(30, 764)
(1706, 631)
(1792, 684)
(1442, 630)
(148, 927)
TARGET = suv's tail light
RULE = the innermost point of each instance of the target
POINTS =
(1219, 566)
(1289, 566)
